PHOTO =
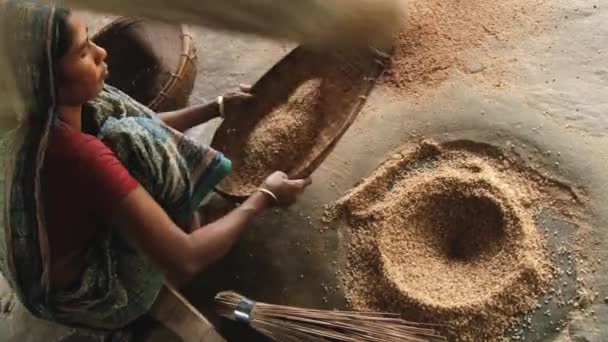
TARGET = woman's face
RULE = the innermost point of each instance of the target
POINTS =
(82, 70)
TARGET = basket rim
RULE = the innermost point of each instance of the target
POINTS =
(188, 54)
(374, 73)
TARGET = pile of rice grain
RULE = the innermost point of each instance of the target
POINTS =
(445, 236)
(281, 137)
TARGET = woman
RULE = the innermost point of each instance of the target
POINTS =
(98, 186)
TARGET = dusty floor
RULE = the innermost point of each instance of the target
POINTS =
(552, 98)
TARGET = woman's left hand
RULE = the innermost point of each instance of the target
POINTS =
(236, 103)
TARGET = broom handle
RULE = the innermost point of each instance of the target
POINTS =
(180, 316)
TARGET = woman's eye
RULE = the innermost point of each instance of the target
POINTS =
(84, 52)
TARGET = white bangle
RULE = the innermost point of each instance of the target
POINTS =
(220, 102)
(269, 193)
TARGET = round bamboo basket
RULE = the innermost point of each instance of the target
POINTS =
(153, 62)
(347, 79)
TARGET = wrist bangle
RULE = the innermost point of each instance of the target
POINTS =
(269, 193)
(220, 102)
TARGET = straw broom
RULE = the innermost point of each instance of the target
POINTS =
(293, 324)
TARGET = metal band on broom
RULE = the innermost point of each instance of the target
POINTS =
(293, 324)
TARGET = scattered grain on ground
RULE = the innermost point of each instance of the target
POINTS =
(437, 34)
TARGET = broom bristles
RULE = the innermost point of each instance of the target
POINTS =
(294, 324)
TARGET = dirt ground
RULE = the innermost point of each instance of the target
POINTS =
(549, 101)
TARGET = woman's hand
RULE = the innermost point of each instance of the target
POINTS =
(228, 107)
(284, 189)
(236, 103)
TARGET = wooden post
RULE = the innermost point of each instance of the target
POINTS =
(180, 316)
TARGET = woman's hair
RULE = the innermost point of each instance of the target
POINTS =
(62, 40)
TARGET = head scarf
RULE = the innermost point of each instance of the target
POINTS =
(28, 35)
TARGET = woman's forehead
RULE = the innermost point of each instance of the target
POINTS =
(79, 32)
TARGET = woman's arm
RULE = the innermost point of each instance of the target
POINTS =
(180, 254)
(233, 104)
(183, 255)
(184, 119)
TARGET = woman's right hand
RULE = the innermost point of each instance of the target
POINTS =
(286, 190)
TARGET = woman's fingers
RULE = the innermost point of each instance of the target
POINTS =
(300, 183)
(244, 96)
(238, 95)
(246, 88)
(286, 190)
(281, 174)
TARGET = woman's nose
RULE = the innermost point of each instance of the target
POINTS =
(101, 54)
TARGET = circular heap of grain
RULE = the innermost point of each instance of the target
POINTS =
(451, 242)
(446, 236)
